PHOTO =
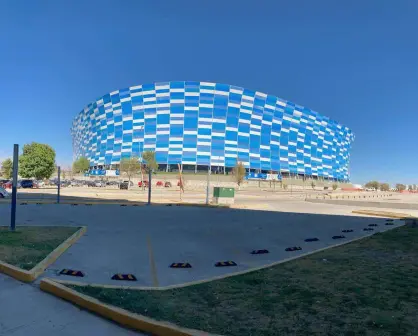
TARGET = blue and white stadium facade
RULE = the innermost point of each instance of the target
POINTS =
(201, 125)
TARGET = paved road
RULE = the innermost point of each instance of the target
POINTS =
(120, 239)
(26, 310)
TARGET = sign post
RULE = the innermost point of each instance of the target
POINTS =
(59, 184)
(14, 186)
(149, 186)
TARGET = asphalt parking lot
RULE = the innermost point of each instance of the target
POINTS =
(146, 240)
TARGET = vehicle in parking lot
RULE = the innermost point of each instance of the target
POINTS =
(143, 182)
(3, 193)
(27, 184)
(124, 185)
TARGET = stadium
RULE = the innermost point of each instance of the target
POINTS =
(203, 126)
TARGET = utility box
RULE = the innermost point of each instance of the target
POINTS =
(222, 195)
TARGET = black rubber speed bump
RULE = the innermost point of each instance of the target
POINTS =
(372, 224)
(311, 239)
(23, 203)
(294, 248)
(389, 223)
(124, 277)
(123, 205)
(338, 237)
(225, 263)
(72, 272)
(260, 252)
(348, 230)
(368, 229)
(180, 265)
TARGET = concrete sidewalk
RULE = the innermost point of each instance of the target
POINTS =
(26, 310)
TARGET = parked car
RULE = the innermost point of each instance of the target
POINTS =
(27, 184)
(144, 182)
(167, 184)
(8, 185)
(124, 185)
(3, 193)
(159, 183)
(40, 184)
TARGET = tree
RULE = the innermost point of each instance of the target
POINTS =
(372, 184)
(239, 173)
(37, 160)
(81, 165)
(384, 187)
(130, 166)
(150, 161)
(7, 168)
(334, 186)
(400, 187)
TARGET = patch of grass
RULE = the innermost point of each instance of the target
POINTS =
(28, 246)
(368, 287)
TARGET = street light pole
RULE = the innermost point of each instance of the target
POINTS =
(14, 186)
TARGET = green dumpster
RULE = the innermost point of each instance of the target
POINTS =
(223, 195)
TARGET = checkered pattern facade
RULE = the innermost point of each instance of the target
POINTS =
(200, 123)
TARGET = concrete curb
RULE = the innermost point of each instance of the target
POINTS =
(382, 213)
(34, 273)
(119, 315)
(198, 282)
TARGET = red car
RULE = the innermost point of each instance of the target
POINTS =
(145, 184)
(159, 183)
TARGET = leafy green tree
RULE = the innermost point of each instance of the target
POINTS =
(372, 184)
(150, 161)
(239, 173)
(130, 166)
(7, 168)
(37, 160)
(81, 165)
(384, 187)
(400, 187)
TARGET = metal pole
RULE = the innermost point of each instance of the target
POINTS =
(207, 187)
(59, 184)
(14, 186)
(149, 186)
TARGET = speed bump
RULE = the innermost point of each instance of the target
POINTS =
(311, 239)
(23, 203)
(372, 224)
(368, 229)
(260, 252)
(125, 277)
(225, 263)
(347, 230)
(123, 205)
(72, 272)
(294, 248)
(338, 237)
(180, 265)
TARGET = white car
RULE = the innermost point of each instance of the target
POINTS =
(3, 193)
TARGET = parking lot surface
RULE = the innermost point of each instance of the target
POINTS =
(146, 240)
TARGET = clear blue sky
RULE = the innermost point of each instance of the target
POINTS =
(353, 61)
